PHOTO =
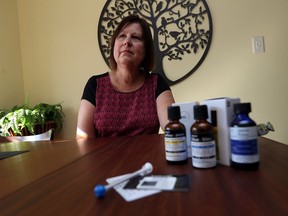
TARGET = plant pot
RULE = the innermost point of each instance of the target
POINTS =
(38, 129)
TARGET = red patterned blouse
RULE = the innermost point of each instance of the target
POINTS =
(124, 114)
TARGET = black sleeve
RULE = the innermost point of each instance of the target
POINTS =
(161, 85)
(89, 92)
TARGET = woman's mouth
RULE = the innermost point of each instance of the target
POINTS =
(126, 51)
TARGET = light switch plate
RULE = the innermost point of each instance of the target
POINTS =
(258, 44)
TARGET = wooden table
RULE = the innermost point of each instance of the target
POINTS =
(58, 178)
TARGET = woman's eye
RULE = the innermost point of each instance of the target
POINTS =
(121, 36)
(136, 38)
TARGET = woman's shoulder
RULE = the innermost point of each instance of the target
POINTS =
(160, 79)
(92, 81)
(161, 83)
(157, 75)
(97, 76)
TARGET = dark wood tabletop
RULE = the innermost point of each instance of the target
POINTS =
(58, 178)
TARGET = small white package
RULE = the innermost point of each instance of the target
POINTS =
(225, 114)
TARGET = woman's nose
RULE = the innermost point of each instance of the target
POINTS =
(127, 41)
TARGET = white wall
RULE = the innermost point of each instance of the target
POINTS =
(11, 79)
(60, 52)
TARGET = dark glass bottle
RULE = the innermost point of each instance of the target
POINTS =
(202, 139)
(244, 139)
(175, 138)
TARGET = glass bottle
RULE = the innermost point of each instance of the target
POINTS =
(175, 138)
(244, 139)
(202, 139)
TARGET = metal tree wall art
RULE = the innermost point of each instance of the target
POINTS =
(182, 31)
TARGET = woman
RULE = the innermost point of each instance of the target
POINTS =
(129, 100)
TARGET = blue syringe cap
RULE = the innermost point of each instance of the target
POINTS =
(99, 191)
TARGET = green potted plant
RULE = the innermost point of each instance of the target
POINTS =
(23, 120)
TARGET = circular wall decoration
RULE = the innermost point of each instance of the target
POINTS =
(182, 31)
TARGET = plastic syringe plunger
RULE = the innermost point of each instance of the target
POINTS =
(100, 190)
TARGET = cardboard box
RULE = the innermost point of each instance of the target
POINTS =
(225, 115)
(187, 118)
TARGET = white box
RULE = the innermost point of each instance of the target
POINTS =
(187, 118)
(225, 114)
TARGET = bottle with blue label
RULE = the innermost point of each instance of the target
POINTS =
(244, 139)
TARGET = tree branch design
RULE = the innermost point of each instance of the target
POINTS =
(180, 27)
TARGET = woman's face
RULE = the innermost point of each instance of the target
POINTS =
(129, 46)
